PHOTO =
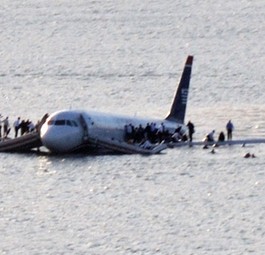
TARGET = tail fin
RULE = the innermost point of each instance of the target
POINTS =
(178, 108)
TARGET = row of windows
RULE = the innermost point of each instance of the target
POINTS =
(70, 123)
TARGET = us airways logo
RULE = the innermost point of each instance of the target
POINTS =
(184, 96)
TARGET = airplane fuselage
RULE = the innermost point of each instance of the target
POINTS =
(68, 130)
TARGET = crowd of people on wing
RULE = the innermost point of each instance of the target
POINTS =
(25, 126)
(151, 134)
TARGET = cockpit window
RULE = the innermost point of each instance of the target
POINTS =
(74, 123)
(60, 122)
(70, 123)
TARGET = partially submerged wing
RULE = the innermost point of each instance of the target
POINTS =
(126, 148)
(21, 144)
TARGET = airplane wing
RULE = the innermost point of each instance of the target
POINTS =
(123, 147)
(216, 143)
(21, 144)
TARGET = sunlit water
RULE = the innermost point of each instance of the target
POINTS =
(126, 57)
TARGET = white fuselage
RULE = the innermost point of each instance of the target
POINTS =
(64, 131)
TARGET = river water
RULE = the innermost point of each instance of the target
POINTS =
(126, 57)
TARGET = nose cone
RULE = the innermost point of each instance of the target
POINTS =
(50, 140)
(60, 139)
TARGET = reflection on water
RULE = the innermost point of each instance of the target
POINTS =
(44, 164)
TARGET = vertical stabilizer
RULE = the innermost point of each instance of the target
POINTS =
(178, 108)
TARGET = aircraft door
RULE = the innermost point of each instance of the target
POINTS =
(85, 128)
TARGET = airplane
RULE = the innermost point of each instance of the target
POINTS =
(71, 130)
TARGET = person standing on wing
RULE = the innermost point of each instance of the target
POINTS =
(229, 129)
(191, 129)
(6, 127)
(16, 126)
